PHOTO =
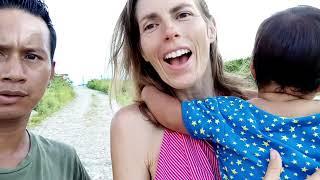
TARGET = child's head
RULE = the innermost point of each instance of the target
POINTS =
(287, 50)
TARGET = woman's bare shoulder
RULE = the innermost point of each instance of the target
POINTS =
(134, 142)
(131, 119)
(129, 122)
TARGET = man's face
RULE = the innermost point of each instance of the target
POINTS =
(25, 65)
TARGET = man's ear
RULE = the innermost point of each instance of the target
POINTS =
(53, 64)
(253, 71)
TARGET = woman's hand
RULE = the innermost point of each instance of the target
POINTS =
(275, 168)
(314, 176)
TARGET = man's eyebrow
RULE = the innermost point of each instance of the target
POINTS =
(172, 11)
(4, 46)
(35, 49)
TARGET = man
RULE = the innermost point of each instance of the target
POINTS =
(27, 45)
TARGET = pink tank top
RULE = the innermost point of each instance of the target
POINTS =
(182, 157)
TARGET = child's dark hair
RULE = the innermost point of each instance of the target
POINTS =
(287, 50)
(37, 8)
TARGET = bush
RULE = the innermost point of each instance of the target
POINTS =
(57, 95)
(102, 85)
(241, 67)
(238, 66)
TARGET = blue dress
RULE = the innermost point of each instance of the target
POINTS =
(244, 134)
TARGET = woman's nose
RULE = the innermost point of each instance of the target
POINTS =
(171, 31)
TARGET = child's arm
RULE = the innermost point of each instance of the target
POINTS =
(166, 109)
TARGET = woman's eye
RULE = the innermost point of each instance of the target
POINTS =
(183, 15)
(2, 56)
(149, 27)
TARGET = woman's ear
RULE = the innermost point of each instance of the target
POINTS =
(211, 30)
(144, 57)
(253, 71)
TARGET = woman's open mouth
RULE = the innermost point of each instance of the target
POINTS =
(178, 58)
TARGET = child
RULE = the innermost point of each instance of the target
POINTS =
(284, 117)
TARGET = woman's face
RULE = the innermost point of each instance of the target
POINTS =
(175, 39)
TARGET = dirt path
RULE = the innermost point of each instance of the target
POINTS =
(84, 124)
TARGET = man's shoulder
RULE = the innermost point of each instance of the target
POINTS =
(52, 147)
(54, 159)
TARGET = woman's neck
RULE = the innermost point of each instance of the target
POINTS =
(203, 88)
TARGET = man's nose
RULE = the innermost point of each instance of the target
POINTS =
(12, 70)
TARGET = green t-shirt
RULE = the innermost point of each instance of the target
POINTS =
(47, 160)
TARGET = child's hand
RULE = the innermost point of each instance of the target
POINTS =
(148, 91)
(166, 109)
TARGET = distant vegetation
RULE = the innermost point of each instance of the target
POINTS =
(240, 67)
(102, 85)
(237, 66)
(124, 97)
(57, 95)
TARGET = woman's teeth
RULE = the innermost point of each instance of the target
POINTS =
(177, 53)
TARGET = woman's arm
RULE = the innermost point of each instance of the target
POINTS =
(131, 141)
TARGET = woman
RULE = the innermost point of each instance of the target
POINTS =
(173, 46)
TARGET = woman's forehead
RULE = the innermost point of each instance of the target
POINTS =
(145, 7)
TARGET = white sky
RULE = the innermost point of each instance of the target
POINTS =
(84, 29)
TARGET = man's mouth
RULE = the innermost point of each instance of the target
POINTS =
(11, 96)
(178, 57)
(13, 93)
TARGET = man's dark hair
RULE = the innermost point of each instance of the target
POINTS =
(287, 50)
(37, 8)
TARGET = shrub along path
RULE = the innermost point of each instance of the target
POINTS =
(84, 124)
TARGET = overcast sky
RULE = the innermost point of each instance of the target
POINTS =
(84, 30)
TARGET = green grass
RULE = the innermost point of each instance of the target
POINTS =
(124, 97)
(57, 95)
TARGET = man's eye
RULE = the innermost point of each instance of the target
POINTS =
(31, 57)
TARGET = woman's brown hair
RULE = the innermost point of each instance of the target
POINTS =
(127, 61)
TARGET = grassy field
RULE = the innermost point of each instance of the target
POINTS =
(57, 95)
(238, 66)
